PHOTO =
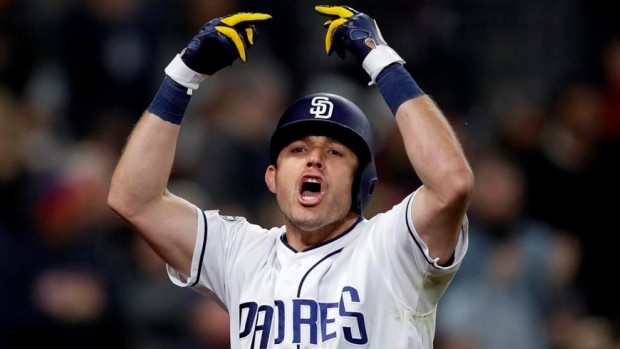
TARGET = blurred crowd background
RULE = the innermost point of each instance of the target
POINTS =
(531, 86)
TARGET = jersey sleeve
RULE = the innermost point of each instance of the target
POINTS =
(417, 278)
(421, 251)
(214, 240)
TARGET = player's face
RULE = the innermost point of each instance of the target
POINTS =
(313, 182)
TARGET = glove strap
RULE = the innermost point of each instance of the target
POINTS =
(178, 71)
(379, 58)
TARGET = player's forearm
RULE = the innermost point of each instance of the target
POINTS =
(431, 144)
(434, 150)
(142, 173)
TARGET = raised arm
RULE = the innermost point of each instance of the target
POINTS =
(138, 191)
(431, 144)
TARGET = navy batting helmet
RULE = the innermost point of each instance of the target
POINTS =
(330, 115)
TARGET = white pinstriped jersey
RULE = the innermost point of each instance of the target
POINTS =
(374, 286)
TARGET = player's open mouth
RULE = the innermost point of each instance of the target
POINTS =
(310, 193)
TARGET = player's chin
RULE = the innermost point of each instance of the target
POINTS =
(309, 216)
(308, 223)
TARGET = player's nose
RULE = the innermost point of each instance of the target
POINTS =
(315, 158)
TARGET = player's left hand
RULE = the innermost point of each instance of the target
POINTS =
(356, 32)
(350, 30)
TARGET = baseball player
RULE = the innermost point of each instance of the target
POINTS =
(330, 277)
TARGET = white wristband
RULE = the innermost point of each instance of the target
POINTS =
(178, 71)
(379, 58)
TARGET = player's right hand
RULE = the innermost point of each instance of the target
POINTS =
(221, 41)
(216, 45)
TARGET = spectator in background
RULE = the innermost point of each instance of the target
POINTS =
(572, 177)
(518, 281)
(60, 285)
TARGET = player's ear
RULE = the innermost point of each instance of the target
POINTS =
(270, 178)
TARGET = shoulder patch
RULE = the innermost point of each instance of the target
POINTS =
(230, 218)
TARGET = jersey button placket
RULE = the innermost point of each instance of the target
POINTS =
(295, 273)
(291, 274)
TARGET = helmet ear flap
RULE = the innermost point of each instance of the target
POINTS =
(363, 187)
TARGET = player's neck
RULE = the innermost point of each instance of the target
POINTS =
(301, 239)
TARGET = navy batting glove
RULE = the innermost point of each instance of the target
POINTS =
(356, 32)
(217, 45)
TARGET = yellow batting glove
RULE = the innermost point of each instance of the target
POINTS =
(216, 45)
(357, 33)
(245, 21)
(337, 16)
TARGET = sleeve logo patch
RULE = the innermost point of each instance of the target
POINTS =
(230, 218)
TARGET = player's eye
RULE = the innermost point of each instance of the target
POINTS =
(334, 152)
